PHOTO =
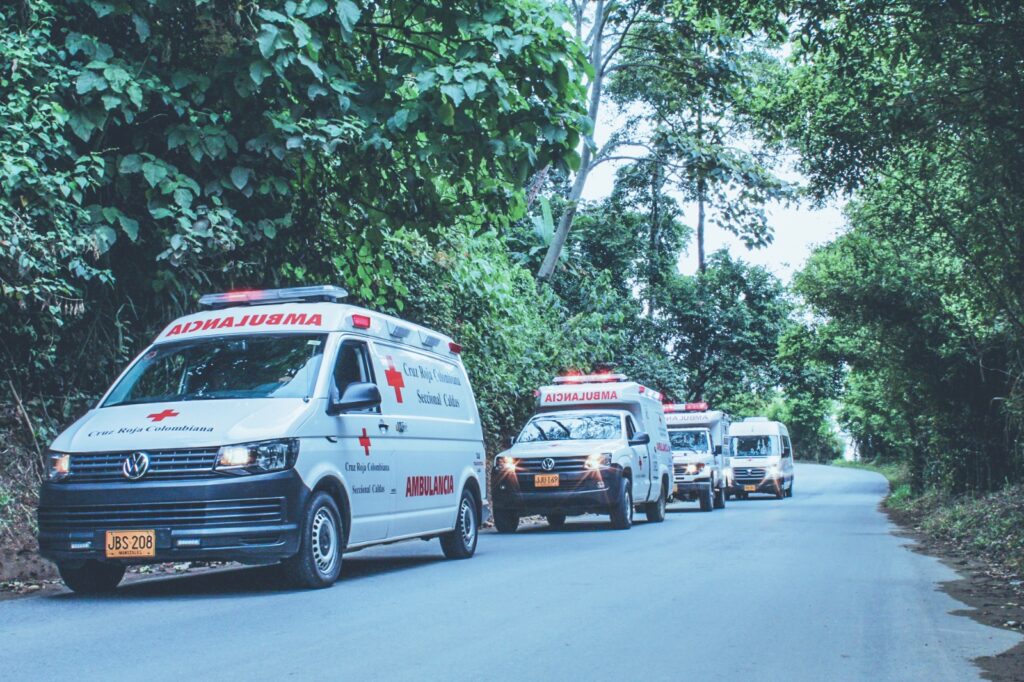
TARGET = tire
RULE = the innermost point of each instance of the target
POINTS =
(622, 511)
(780, 491)
(318, 561)
(655, 511)
(92, 577)
(789, 491)
(460, 543)
(707, 499)
(556, 521)
(506, 521)
(719, 498)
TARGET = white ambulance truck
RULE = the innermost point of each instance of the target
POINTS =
(597, 444)
(277, 425)
(761, 458)
(699, 437)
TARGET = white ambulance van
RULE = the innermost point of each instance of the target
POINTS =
(760, 458)
(277, 425)
(597, 444)
(699, 437)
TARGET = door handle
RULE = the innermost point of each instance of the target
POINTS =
(383, 426)
(400, 426)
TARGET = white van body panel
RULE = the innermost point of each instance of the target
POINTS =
(402, 469)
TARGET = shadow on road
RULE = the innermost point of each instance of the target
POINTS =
(228, 582)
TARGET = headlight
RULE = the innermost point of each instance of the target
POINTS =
(598, 461)
(505, 463)
(694, 468)
(258, 458)
(60, 465)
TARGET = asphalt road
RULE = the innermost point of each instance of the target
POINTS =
(809, 588)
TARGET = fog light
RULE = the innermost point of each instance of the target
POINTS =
(81, 545)
(187, 542)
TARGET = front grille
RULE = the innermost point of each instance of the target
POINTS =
(256, 511)
(749, 474)
(163, 465)
(563, 465)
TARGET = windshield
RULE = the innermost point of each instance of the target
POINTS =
(572, 427)
(693, 440)
(257, 366)
(752, 446)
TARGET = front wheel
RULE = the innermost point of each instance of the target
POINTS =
(707, 499)
(789, 490)
(318, 561)
(622, 511)
(506, 521)
(719, 498)
(461, 542)
(91, 577)
(655, 511)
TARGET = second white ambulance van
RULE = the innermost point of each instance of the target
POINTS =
(277, 425)
(597, 444)
(699, 436)
(761, 458)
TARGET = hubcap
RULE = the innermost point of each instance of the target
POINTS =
(468, 519)
(324, 541)
(629, 504)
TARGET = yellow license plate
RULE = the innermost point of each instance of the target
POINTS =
(129, 544)
(750, 488)
(545, 481)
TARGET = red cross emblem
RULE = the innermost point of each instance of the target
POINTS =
(395, 379)
(364, 442)
(160, 416)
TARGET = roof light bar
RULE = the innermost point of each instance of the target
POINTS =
(429, 340)
(589, 379)
(360, 321)
(398, 331)
(686, 407)
(325, 292)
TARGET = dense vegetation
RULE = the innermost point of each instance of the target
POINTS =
(430, 156)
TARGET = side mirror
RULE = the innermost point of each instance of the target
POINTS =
(640, 438)
(357, 396)
(511, 441)
(718, 449)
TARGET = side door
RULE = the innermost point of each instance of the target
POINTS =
(364, 448)
(427, 407)
(642, 472)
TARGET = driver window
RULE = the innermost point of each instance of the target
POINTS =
(787, 447)
(630, 428)
(353, 366)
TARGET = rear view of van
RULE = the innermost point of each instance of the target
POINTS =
(274, 426)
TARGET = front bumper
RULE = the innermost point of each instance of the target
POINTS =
(251, 519)
(692, 490)
(764, 485)
(577, 492)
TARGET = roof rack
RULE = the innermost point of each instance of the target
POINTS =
(322, 292)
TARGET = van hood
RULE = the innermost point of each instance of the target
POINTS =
(689, 456)
(765, 461)
(190, 424)
(564, 448)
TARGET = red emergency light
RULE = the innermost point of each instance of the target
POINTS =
(361, 321)
(454, 347)
(603, 378)
(686, 407)
(263, 296)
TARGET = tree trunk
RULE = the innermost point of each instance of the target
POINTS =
(547, 268)
(652, 254)
(701, 190)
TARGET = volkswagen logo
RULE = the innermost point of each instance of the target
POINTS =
(135, 466)
(547, 464)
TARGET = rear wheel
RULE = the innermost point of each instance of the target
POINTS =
(506, 520)
(556, 520)
(622, 511)
(318, 561)
(461, 542)
(719, 498)
(707, 499)
(91, 577)
(655, 511)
